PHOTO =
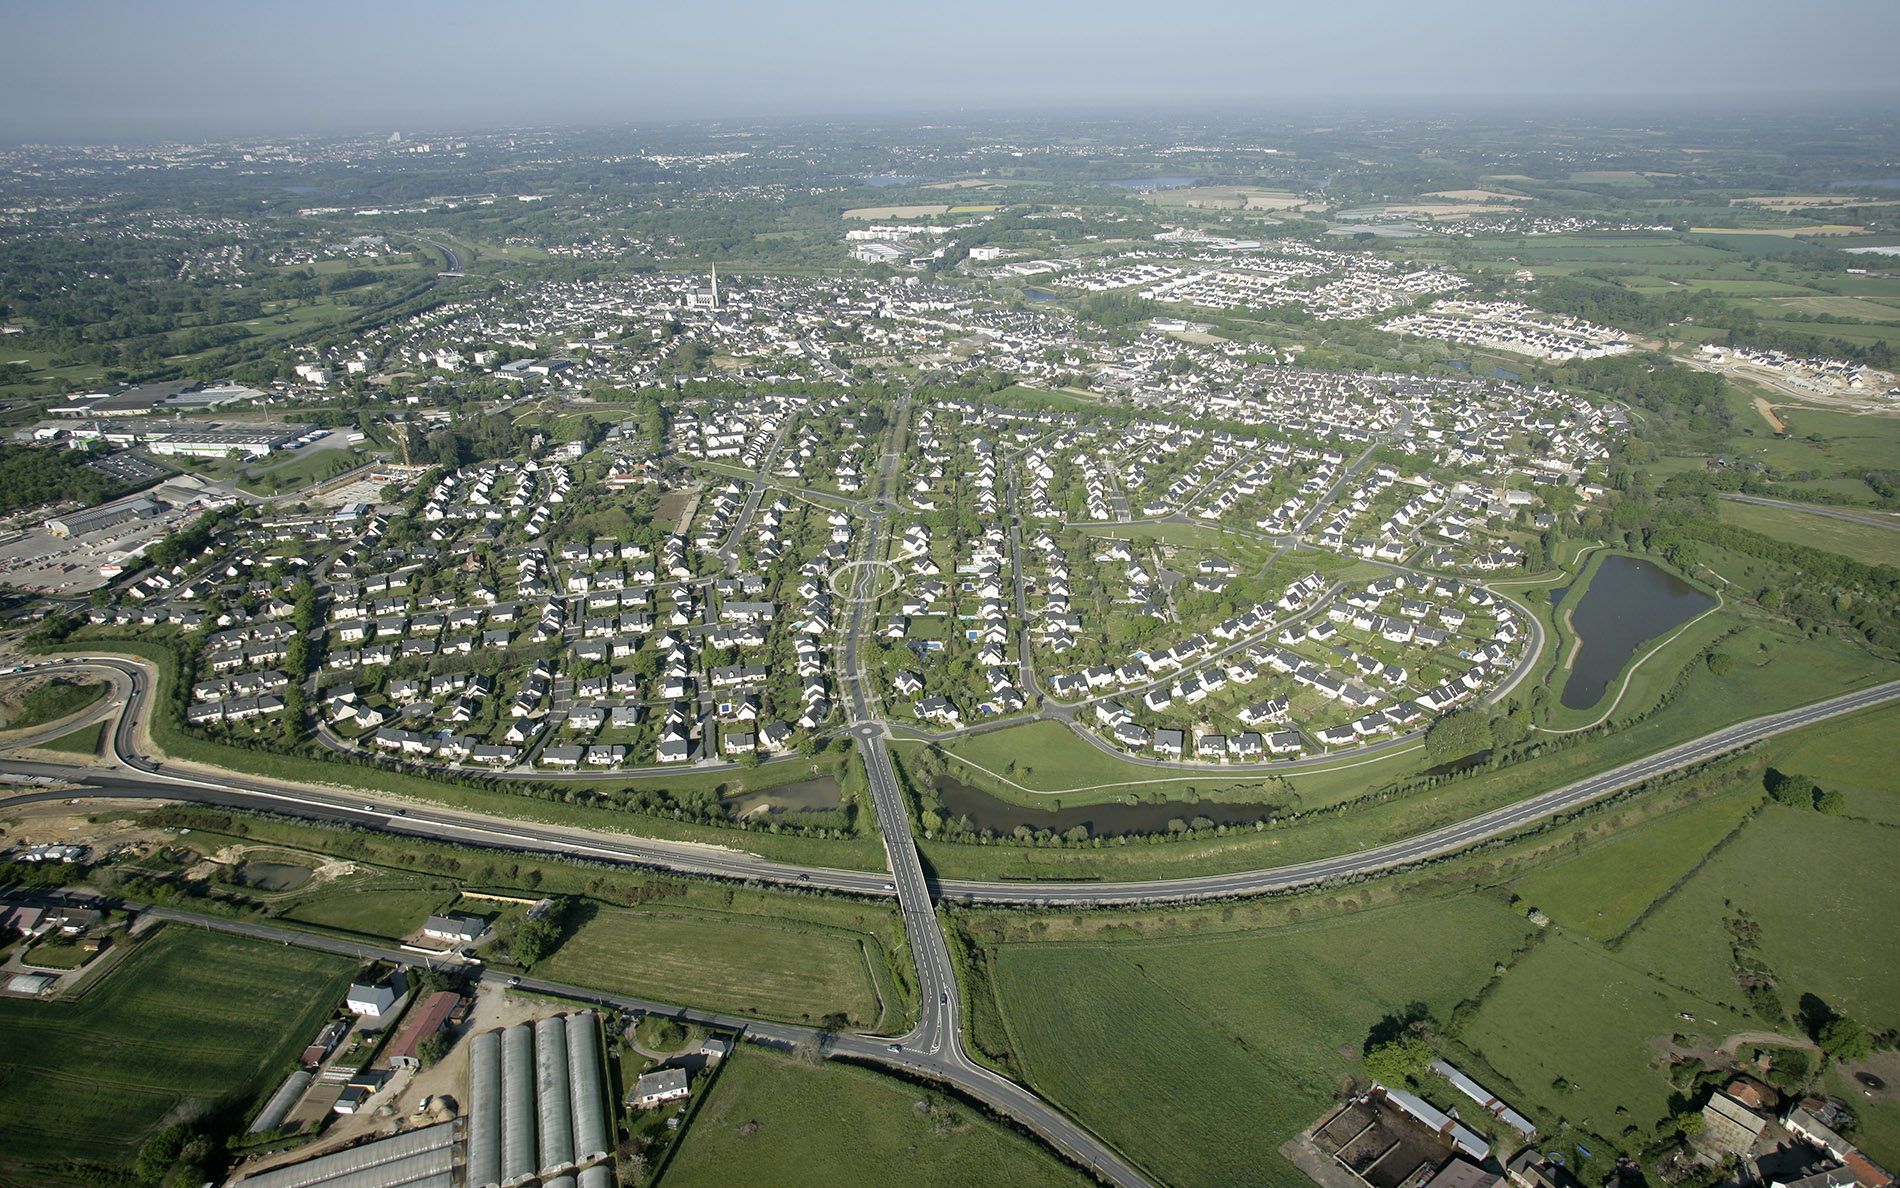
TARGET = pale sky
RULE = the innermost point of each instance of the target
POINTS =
(106, 69)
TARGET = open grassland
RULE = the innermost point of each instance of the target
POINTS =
(1602, 890)
(746, 967)
(1197, 1059)
(1820, 888)
(772, 1120)
(189, 1020)
(1570, 1034)
(1869, 543)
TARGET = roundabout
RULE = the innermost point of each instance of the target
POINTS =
(846, 579)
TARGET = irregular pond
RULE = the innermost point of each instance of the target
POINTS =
(273, 876)
(978, 810)
(1630, 602)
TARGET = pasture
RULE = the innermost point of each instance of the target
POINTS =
(1814, 885)
(1602, 890)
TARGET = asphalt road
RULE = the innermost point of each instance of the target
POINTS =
(1813, 509)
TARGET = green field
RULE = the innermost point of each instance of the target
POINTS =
(1868, 543)
(1855, 755)
(95, 1077)
(772, 1120)
(55, 700)
(743, 967)
(1601, 891)
(1814, 884)
(1197, 1059)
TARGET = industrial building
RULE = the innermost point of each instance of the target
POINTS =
(537, 1106)
(93, 519)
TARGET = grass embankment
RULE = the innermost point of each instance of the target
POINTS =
(1239, 1020)
(772, 1120)
(93, 1078)
(520, 800)
(84, 741)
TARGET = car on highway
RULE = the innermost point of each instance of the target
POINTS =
(893, 1047)
(890, 887)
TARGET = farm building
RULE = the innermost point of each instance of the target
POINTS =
(431, 1018)
(280, 1103)
(372, 1001)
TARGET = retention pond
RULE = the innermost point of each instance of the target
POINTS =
(1630, 602)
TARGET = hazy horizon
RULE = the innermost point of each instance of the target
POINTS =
(114, 70)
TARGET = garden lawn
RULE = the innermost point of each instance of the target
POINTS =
(772, 1120)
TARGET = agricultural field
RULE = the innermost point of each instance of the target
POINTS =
(1231, 1046)
(1602, 890)
(743, 967)
(772, 1120)
(97, 1076)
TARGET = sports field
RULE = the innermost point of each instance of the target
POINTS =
(156, 1040)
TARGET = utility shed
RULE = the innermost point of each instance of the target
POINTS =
(422, 1158)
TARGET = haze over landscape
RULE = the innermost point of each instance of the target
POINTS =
(123, 69)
